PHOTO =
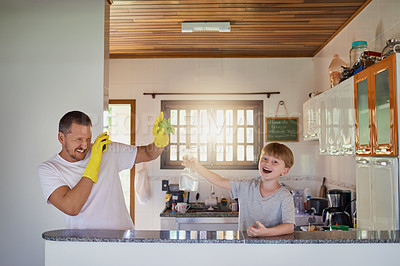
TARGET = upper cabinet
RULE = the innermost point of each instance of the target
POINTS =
(376, 110)
(329, 118)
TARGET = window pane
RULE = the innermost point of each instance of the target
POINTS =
(193, 151)
(240, 153)
(203, 135)
(220, 153)
(203, 153)
(173, 138)
(229, 135)
(249, 117)
(174, 117)
(249, 135)
(182, 151)
(182, 117)
(203, 118)
(182, 135)
(229, 117)
(193, 135)
(229, 153)
(173, 153)
(220, 137)
(240, 117)
(240, 135)
(193, 117)
(220, 117)
(249, 153)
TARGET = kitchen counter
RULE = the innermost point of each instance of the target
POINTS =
(119, 247)
(199, 213)
(173, 236)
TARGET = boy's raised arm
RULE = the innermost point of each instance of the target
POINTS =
(213, 178)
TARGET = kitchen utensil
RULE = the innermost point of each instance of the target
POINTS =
(392, 46)
(319, 204)
(298, 201)
(322, 191)
(197, 197)
(182, 207)
(210, 202)
(234, 206)
(333, 217)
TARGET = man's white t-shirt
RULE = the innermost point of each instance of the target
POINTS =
(105, 207)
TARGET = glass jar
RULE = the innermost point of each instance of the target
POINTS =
(357, 48)
(392, 46)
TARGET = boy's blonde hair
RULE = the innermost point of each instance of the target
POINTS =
(280, 151)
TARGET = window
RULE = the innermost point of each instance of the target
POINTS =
(218, 133)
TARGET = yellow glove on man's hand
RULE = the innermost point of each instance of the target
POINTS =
(98, 148)
(160, 139)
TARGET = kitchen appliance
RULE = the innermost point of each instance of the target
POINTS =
(319, 204)
(174, 195)
(338, 212)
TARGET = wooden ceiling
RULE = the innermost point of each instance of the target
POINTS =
(259, 28)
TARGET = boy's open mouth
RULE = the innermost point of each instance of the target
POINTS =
(266, 171)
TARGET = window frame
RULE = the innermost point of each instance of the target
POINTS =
(212, 106)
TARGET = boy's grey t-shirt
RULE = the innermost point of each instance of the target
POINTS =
(271, 211)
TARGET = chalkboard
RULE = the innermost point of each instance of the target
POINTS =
(282, 129)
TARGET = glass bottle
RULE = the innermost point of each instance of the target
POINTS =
(357, 48)
(336, 70)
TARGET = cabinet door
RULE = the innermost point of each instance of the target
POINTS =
(310, 119)
(363, 193)
(363, 124)
(384, 193)
(332, 121)
(384, 109)
(346, 116)
(322, 115)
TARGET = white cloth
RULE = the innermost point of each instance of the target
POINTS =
(105, 207)
(142, 185)
(271, 211)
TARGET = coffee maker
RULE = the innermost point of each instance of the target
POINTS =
(174, 195)
(339, 210)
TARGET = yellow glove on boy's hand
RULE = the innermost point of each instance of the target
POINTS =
(98, 148)
(160, 139)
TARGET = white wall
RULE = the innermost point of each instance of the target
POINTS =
(51, 61)
(130, 78)
(378, 22)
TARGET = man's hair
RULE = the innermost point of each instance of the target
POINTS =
(280, 151)
(77, 117)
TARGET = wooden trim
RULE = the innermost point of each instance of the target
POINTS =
(389, 64)
(362, 149)
(132, 103)
(342, 27)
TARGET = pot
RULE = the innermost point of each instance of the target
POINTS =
(319, 204)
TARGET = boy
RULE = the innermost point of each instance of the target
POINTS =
(266, 207)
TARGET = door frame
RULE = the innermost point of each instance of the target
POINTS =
(132, 103)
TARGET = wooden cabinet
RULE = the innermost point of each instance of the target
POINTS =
(376, 109)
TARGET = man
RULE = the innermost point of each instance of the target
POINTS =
(83, 181)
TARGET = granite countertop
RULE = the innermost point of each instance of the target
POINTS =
(199, 210)
(137, 236)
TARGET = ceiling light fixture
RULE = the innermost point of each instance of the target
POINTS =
(206, 26)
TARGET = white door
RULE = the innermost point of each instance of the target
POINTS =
(363, 192)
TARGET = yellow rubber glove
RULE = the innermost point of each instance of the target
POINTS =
(160, 139)
(98, 148)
